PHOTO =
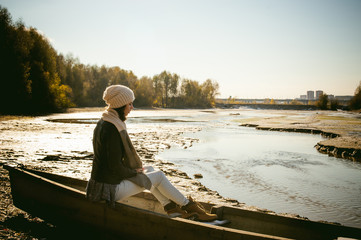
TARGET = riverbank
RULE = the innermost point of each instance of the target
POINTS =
(343, 131)
(62, 147)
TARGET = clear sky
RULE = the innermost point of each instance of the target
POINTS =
(252, 48)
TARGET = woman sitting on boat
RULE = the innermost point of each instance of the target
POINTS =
(117, 171)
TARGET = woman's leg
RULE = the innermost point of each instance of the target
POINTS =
(157, 194)
(126, 189)
(167, 190)
(164, 189)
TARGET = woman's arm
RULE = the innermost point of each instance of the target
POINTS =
(115, 154)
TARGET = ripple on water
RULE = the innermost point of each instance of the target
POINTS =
(281, 172)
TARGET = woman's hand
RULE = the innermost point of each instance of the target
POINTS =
(140, 170)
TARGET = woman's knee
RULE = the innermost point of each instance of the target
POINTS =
(126, 189)
(156, 177)
(149, 169)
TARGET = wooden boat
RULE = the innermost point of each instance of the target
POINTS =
(61, 200)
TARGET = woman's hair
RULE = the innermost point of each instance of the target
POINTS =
(120, 112)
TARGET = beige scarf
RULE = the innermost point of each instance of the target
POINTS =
(131, 157)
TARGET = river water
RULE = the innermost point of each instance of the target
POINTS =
(278, 171)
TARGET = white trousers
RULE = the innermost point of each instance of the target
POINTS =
(161, 188)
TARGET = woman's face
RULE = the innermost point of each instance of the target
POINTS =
(128, 108)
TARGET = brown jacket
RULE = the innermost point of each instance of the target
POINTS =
(108, 166)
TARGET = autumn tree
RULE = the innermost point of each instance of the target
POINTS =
(322, 102)
(165, 86)
(28, 70)
(190, 93)
(123, 77)
(14, 69)
(144, 92)
(334, 104)
(355, 102)
(210, 91)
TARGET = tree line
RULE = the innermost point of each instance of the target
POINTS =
(324, 103)
(166, 89)
(28, 78)
(35, 79)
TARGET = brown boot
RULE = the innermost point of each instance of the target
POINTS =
(173, 210)
(203, 216)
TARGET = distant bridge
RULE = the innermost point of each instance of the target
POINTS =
(286, 104)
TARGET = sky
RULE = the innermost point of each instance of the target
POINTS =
(251, 48)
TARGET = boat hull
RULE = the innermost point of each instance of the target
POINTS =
(61, 201)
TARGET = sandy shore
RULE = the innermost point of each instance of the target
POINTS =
(342, 129)
(23, 140)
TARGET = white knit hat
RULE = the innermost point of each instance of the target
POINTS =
(117, 96)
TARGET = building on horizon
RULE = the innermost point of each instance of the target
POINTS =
(303, 97)
(310, 95)
(343, 98)
(318, 94)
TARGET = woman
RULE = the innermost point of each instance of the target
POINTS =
(117, 171)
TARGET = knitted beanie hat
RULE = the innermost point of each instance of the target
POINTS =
(117, 96)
